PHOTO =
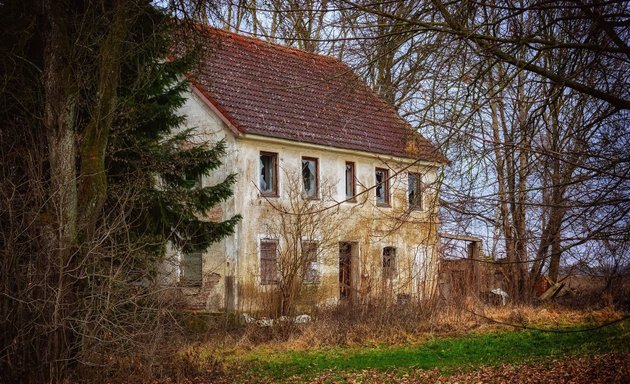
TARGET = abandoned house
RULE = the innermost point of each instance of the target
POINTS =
(336, 191)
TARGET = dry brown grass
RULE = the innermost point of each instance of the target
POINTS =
(224, 340)
(396, 325)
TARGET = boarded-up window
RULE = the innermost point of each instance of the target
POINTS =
(382, 187)
(309, 259)
(350, 181)
(414, 191)
(268, 262)
(191, 269)
(389, 262)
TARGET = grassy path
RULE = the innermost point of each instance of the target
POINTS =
(444, 354)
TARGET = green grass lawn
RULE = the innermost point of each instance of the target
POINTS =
(445, 354)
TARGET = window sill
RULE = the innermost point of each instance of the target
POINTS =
(269, 195)
(383, 205)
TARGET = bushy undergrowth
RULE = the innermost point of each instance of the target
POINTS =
(397, 324)
(210, 345)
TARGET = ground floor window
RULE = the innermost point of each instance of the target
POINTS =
(268, 262)
(190, 269)
(310, 264)
(389, 262)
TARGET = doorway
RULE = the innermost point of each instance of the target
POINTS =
(348, 269)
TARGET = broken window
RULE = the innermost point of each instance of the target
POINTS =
(350, 181)
(190, 269)
(309, 259)
(414, 192)
(389, 262)
(268, 174)
(382, 187)
(309, 176)
(268, 262)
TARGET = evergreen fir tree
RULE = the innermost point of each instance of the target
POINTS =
(152, 161)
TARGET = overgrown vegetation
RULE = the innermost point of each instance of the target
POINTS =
(529, 102)
(339, 343)
(94, 185)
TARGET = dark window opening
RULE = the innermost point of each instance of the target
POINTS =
(382, 187)
(415, 190)
(350, 181)
(345, 270)
(389, 262)
(192, 181)
(268, 183)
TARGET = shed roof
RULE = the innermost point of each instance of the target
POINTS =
(271, 90)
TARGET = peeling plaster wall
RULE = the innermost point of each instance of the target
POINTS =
(232, 265)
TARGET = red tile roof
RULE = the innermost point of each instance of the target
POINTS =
(271, 90)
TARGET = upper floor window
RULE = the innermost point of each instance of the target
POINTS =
(309, 177)
(268, 262)
(414, 192)
(268, 183)
(350, 181)
(382, 186)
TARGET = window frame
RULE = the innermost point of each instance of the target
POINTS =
(316, 161)
(274, 157)
(418, 203)
(306, 263)
(353, 197)
(265, 278)
(389, 270)
(386, 198)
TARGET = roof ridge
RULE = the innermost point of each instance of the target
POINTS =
(261, 42)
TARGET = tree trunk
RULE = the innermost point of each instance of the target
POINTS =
(60, 97)
(93, 181)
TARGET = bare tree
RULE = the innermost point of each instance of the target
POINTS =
(306, 237)
(528, 99)
(76, 280)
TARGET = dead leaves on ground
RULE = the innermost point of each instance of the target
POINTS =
(612, 368)
(608, 368)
